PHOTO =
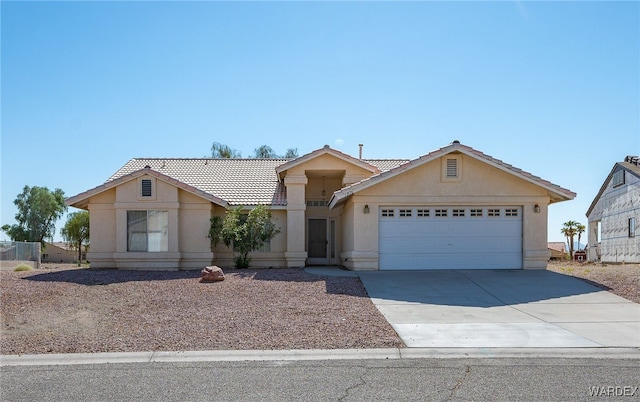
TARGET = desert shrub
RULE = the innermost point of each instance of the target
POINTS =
(23, 267)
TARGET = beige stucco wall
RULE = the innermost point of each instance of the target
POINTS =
(479, 184)
(224, 257)
(188, 214)
(351, 173)
(307, 181)
(102, 221)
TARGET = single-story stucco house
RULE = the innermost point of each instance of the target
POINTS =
(557, 250)
(613, 230)
(60, 252)
(453, 208)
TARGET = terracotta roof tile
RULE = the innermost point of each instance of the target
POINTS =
(237, 181)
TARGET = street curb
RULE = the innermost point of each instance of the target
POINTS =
(316, 354)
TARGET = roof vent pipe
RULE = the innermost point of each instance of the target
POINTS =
(360, 152)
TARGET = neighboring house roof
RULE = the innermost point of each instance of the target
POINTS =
(557, 193)
(60, 245)
(556, 246)
(630, 165)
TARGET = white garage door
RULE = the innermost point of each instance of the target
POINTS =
(450, 238)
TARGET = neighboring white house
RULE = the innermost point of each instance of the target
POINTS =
(614, 216)
(454, 207)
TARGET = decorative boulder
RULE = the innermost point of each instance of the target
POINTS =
(212, 274)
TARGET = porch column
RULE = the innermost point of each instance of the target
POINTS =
(296, 255)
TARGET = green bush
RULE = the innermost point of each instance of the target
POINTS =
(22, 267)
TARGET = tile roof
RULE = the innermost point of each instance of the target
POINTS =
(386, 164)
(237, 181)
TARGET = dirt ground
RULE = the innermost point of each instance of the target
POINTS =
(63, 309)
(621, 279)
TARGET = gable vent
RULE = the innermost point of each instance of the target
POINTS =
(452, 168)
(146, 187)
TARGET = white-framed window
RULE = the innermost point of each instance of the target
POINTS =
(405, 213)
(147, 231)
(457, 212)
(493, 212)
(441, 212)
(387, 212)
(510, 212)
(423, 213)
(632, 227)
(618, 178)
(476, 212)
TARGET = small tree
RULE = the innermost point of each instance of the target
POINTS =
(291, 153)
(76, 231)
(38, 210)
(223, 151)
(265, 152)
(243, 232)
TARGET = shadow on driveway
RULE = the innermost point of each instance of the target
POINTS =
(473, 288)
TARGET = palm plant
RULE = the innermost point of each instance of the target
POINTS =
(580, 229)
(569, 230)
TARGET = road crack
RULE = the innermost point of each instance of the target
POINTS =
(351, 388)
(461, 380)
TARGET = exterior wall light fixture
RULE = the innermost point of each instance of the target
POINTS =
(366, 209)
(536, 209)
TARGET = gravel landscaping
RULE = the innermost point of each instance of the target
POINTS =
(621, 279)
(70, 310)
(64, 309)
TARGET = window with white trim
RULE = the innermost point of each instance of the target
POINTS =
(405, 213)
(493, 212)
(423, 213)
(476, 212)
(457, 212)
(387, 212)
(147, 231)
(441, 212)
(510, 212)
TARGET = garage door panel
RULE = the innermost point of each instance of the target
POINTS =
(401, 261)
(451, 242)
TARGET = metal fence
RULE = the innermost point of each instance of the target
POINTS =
(20, 251)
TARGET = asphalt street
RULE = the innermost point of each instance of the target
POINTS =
(442, 379)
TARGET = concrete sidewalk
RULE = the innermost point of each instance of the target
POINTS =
(501, 309)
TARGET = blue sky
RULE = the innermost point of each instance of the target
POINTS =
(550, 87)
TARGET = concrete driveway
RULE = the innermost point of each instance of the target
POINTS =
(498, 308)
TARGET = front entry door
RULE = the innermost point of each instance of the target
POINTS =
(317, 241)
